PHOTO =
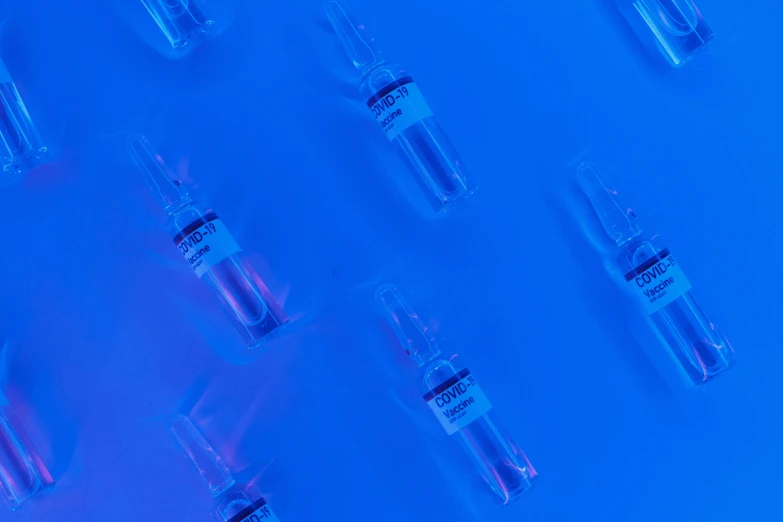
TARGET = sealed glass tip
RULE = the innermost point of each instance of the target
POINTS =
(183, 22)
(619, 222)
(210, 465)
(21, 148)
(411, 331)
(162, 181)
(678, 27)
(360, 48)
(20, 473)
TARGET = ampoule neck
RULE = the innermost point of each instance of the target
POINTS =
(370, 68)
(232, 502)
(619, 221)
(629, 240)
(358, 45)
(422, 359)
(213, 470)
(178, 205)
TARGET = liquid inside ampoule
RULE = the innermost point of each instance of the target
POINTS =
(665, 293)
(453, 389)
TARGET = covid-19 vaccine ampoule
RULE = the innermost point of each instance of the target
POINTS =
(403, 114)
(233, 502)
(210, 250)
(455, 398)
(20, 474)
(21, 148)
(183, 22)
(655, 278)
(676, 27)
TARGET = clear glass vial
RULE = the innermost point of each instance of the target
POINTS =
(183, 22)
(458, 402)
(232, 501)
(20, 475)
(403, 114)
(660, 286)
(21, 147)
(676, 27)
(207, 245)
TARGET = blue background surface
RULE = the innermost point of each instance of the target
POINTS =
(108, 333)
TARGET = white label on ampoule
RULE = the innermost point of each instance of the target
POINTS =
(398, 106)
(458, 402)
(259, 512)
(205, 243)
(658, 281)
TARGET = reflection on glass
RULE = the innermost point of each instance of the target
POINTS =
(21, 147)
(458, 402)
(678, 26)
(654, 277)
(183, 22)
(233, 503)
(20, 478)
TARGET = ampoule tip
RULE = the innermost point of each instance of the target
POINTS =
(209, 463)
(619, 222)
(360, 48)
(162, 181)
(410, 329)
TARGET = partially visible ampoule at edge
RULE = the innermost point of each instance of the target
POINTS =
(233, 502)
(183, 22)
(453, 394)
(210, 250)
(403, 114)
(676, 27)
(659, 284)
(21, 475)
(21, 147)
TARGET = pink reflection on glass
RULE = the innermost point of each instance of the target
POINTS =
(22, 471)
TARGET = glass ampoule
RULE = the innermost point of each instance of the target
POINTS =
(458, 402)
(20, 475)
(403, 114)
(657, 281)
(233, 502)
(21, 147)
(676, 27)
(183, 22)
(210, 250)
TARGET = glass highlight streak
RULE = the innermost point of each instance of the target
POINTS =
(183, 22)
(19, 475)
(21, 147)
(678, 26)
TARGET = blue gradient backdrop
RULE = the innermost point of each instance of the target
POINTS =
(108, 333)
